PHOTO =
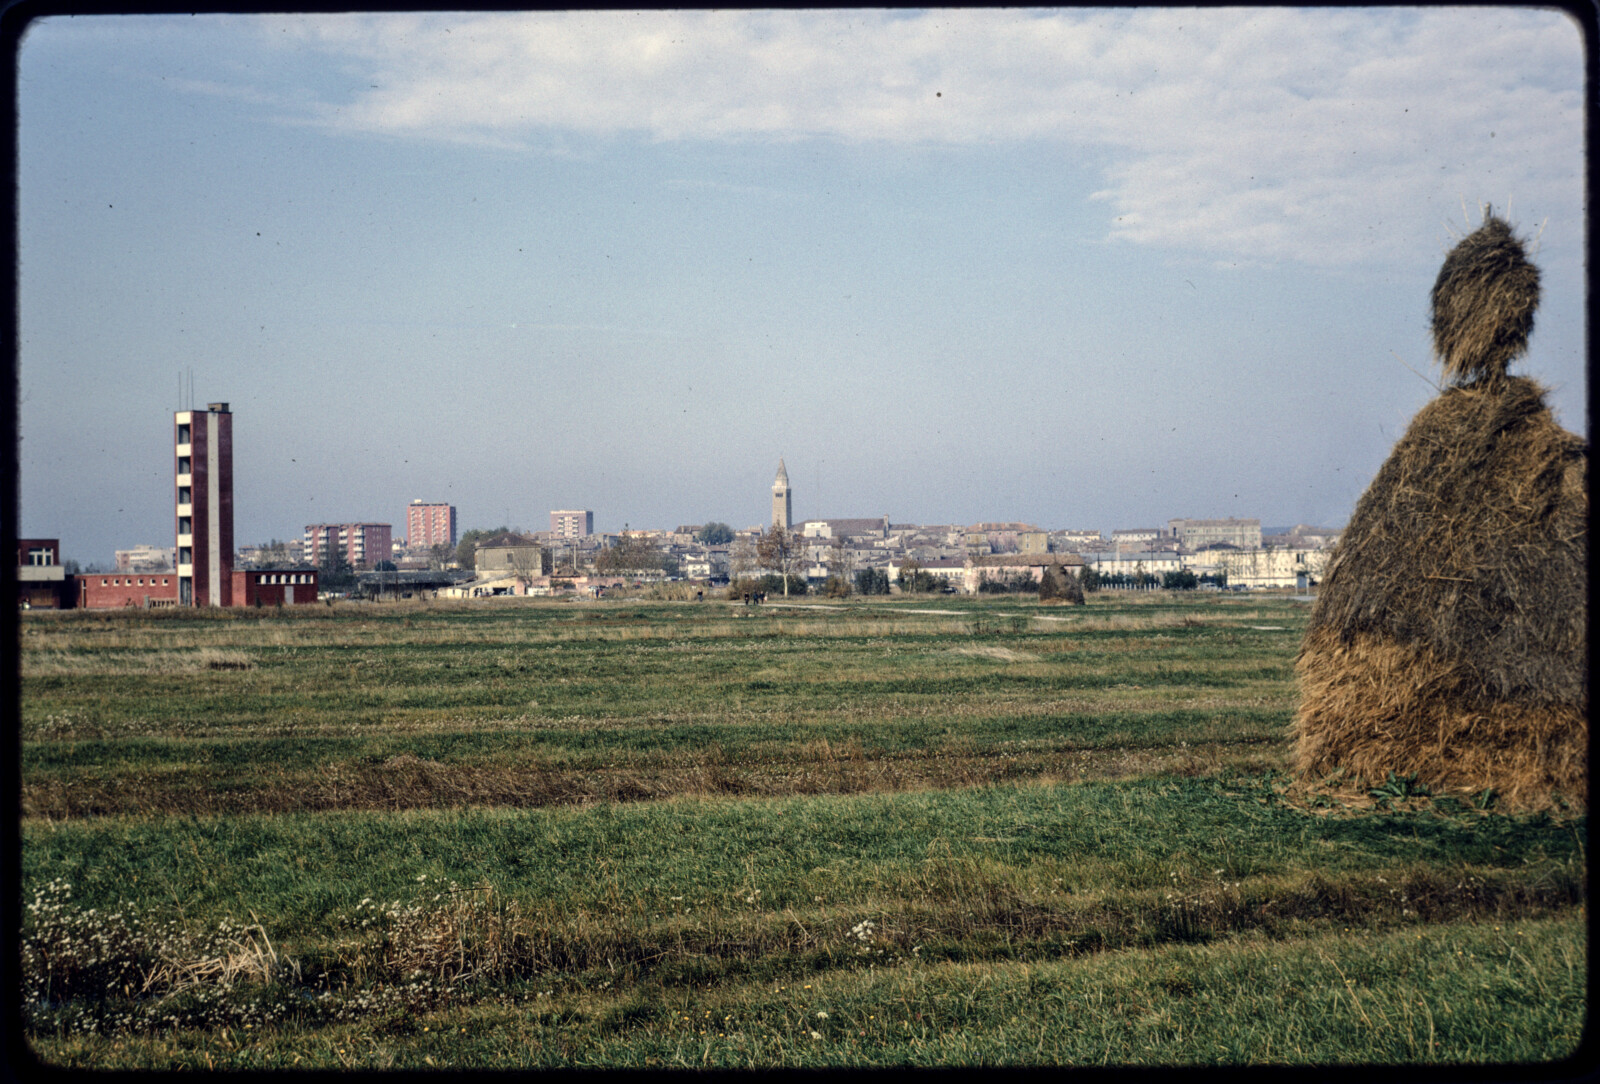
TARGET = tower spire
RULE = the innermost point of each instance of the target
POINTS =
(782, 499)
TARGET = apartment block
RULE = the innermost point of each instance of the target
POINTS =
(363, 544)
(430, 524)
(571, 524)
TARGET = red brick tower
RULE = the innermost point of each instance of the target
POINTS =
(203, 473)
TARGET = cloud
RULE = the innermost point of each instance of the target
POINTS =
(1332, 137)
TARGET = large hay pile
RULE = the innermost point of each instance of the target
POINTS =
(1449, 638)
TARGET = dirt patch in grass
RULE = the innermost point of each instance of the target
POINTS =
(406, 781)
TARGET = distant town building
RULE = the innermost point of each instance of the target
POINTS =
(1303, 536)
(430, 525)
(988, 538)
(1133, 562)
(845, 528)
(1001, 566)
(511, 553)
(276, 554)
(363, 544)
(951, 571)
(571, 524)
(41, 578)
(1076, 541)
(1010, 527)
(115, 590)
(38, 553)
(782, 499)
(248, 587)
(146, 558)
(1277, 567)
(1196, 533)
(274, 586)
(1133, 539)
(203, 505)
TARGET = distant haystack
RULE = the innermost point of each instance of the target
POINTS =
(1450, 634)
(1059, 585)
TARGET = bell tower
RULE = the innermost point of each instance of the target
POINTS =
(782, 499)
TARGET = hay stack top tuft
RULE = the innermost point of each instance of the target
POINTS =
(1483, 303)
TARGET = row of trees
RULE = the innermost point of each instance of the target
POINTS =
(1177, 580)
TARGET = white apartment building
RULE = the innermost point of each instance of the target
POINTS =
(1133, 561)
(146, 558)
(1260, 567)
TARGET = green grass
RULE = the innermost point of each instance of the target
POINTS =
(550, 834)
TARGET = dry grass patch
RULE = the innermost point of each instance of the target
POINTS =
(57, 662)
(996, 652)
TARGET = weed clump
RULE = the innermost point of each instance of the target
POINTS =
(101, 970)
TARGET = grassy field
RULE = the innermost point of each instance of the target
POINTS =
(631, 833)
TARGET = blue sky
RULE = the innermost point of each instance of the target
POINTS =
(1083, 269)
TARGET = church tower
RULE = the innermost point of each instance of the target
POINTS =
(782, 500)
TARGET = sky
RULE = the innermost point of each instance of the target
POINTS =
(1083, 269)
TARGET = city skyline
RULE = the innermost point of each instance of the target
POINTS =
(1082, 268)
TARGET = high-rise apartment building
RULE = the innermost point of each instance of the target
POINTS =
(571, 524)
(363, 544)
(430, 524)
(782, 499)
(203, 505)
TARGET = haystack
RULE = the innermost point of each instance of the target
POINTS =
(1449, 637)
(1056, 584)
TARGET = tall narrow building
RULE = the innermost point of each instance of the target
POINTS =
(430, 525)
(203, 480)
(782, 499)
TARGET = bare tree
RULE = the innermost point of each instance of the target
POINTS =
(273, 555)
(841, 562)
(527, 563)
(741, 561)
(440, 555)
(631, 554)
(783, 552)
